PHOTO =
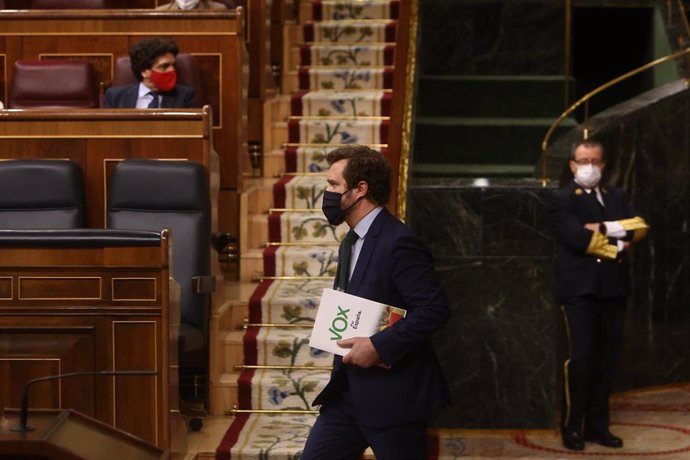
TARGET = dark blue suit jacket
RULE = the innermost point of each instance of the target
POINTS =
(395, 268)
(125, 97)
(578, 273)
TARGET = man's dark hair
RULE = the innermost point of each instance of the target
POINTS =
(365, 164)
(590, 144)
(144, 53)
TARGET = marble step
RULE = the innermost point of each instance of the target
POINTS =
(299, 192)
(302, 158)
(324, 130)
(326, 103)
(233, 351)
(282, 346)
(224, 391)
(267, 436)
(349, 9)
(349, 31)
(280, 389)
(311, 158)
(329, 55)
(286, 301)
(303, 227)
(277, 137)
(300, 260)
(274, 163)
(251, 265)
(345, 78)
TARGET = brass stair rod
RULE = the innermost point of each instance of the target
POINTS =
(306, 368)
(235, 411)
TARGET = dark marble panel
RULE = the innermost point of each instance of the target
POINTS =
(494, 256)
(498, 351)
(498, 217)
(448, 221)
(522, 37)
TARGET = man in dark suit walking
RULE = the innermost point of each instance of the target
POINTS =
(385, 390)
(594, 228)
(153, 64)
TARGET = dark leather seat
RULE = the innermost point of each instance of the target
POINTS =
(53, 84)
(185, 64)
(41, 194)
(69, 4)
(153, 195)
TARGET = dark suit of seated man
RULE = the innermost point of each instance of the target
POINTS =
(153, 64)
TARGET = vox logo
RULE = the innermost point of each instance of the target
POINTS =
(339, 324)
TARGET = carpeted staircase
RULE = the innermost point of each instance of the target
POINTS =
(341, 94)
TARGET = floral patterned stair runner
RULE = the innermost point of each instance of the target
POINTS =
(344, 98)
(370, 9)
(312, 158)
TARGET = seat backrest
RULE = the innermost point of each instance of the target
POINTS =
(41, 194)
(53, 84)
(69, 4)
(185, 64)
(153, 195)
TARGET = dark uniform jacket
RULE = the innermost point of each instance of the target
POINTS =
(587, 262)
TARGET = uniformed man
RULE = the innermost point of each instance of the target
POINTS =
(595, 227)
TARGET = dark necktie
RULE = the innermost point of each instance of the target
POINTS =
(154, 102)
(345, 258)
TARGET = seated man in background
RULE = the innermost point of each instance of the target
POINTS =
(153, 64)
(177, 5)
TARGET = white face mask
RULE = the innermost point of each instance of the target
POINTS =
(588, 175)
(187, 4)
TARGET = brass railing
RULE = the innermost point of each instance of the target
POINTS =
(585, 100)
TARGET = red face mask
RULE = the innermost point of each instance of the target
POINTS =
(164, 81)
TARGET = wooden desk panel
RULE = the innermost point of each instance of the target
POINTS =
(58, 332)
(98, 139)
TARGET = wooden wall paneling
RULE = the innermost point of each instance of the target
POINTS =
(3, 79)
(135, 349)
(40, 347)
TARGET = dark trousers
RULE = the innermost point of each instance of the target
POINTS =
(337, 436)
(595, 328)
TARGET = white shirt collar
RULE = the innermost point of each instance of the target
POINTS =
(362, 227)
(143, 90)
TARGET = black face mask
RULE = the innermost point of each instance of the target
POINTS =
(331, 207)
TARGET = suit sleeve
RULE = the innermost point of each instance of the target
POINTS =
(572, 233)
(427, 309)
(190, 101)
(108, 102)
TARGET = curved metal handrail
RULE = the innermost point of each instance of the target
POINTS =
(585, 99)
